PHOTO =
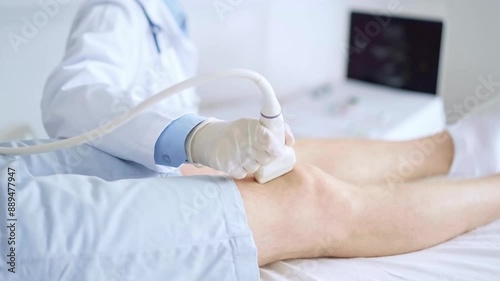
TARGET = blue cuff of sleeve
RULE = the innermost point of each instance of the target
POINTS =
(170, 147)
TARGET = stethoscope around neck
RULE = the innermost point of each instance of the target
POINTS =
(155, 29)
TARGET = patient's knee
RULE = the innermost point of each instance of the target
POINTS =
(304, 177)
(305, 213)
(325, 209)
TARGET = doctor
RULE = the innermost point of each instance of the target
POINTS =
(120, 52)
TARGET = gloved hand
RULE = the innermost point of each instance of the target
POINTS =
(237, 148)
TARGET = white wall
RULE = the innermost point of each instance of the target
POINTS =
(287, 41)
(301, 43)
(23, 72)
(295, 43)
(473, 52)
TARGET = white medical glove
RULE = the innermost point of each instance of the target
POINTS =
(237, 148)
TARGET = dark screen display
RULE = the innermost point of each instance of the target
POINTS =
(396, 52)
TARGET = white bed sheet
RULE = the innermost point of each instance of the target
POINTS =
(474, 256)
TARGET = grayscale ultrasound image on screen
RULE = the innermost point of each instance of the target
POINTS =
(396, 52)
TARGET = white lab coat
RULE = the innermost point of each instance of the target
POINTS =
(99, 218)
(112, 64)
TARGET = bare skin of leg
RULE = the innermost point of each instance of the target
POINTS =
(309, 213)
(368, 161)
(345, 208)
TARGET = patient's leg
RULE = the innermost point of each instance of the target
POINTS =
(369, 161)
(308, 213)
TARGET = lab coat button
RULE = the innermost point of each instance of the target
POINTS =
(166, 158)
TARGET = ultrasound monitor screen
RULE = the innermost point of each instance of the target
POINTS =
(397, 52)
